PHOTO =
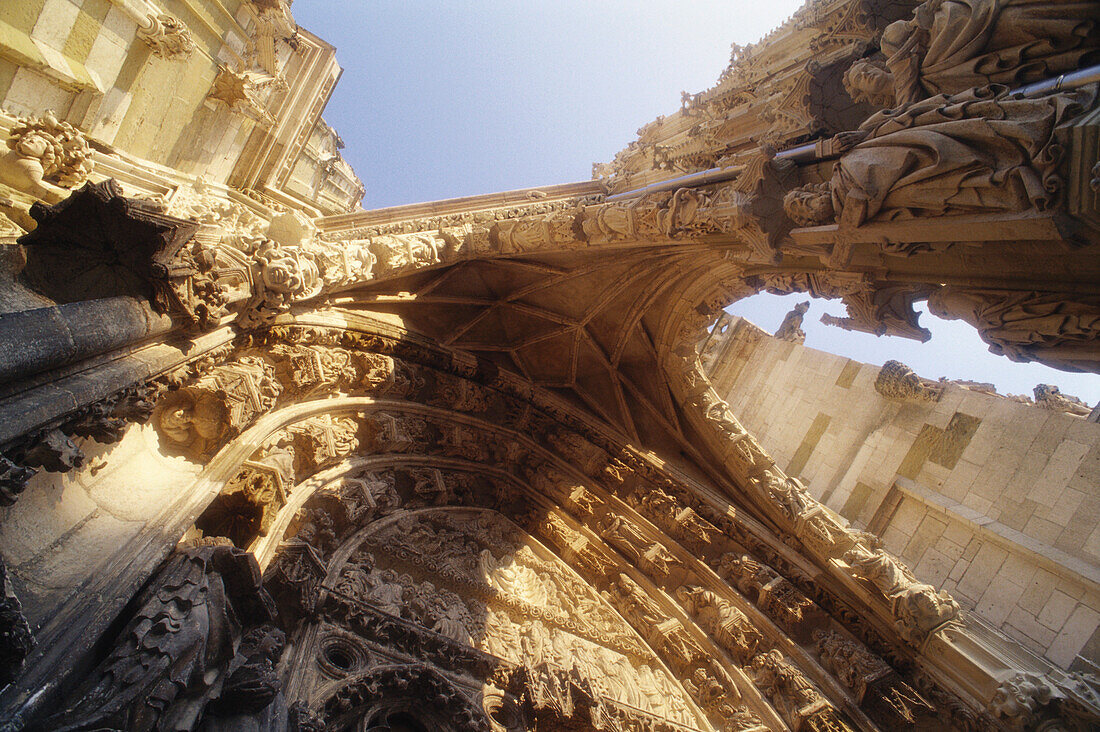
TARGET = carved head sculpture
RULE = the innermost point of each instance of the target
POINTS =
(810, 205)
(286, 272)
(192, 417)
(1019, 697)
(953, 303)
(869, 81)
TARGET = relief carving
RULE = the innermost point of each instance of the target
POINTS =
(919, 610)
(721, 619)
(780, 600)
(173, 656)
(625, 536)
(1027, 326)
(198, 418)
(1019, 700)
(876, 686)
(46, 158)
(932, 157)
(167, 36)
(949, 47)
(790, 692)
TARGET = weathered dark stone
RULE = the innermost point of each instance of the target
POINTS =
(16, 638)
(97, 244)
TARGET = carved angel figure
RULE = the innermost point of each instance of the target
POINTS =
(173, 655)
(949, 46)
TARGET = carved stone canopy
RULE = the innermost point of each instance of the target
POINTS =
(98, 243)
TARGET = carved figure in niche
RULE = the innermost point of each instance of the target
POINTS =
(789, 493)
(386, 433)
(853, 664)
(711, 694)
(919, 609)
(44, 158)
(367, 495)
(720, 618)
(949, 46)
(173, 656)
(978, 151)
(792, 694)
(443, 612)
(247, 506)
(1027, 326)
(502, 637)
(429, 487)
(791, 327)
(775, 595)
(633, 602)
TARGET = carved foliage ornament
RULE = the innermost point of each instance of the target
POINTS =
(167, 36)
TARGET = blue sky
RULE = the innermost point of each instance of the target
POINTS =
(444, 99)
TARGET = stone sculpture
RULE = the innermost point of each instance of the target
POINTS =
(792, 694)
(218, 405)
(173, 656)
(978, 151)
(791, 327)
(720, 618)
(1027, 326)
(949, 46)
(45, 157)
(919, 609)
(897, 381)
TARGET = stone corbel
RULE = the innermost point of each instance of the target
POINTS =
(239, 91)
(165, 34)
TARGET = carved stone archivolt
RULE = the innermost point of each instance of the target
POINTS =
(471, 442)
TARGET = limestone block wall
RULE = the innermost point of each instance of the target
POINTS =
(235, 103)
(994, 500)
(66, 527)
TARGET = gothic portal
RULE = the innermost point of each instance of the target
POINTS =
(273, 462)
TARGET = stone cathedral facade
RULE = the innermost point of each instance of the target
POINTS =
(272, 462)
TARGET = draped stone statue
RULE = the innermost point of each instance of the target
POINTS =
(174, 655)
(1027, 325)
(976, 152)
(949, 46)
